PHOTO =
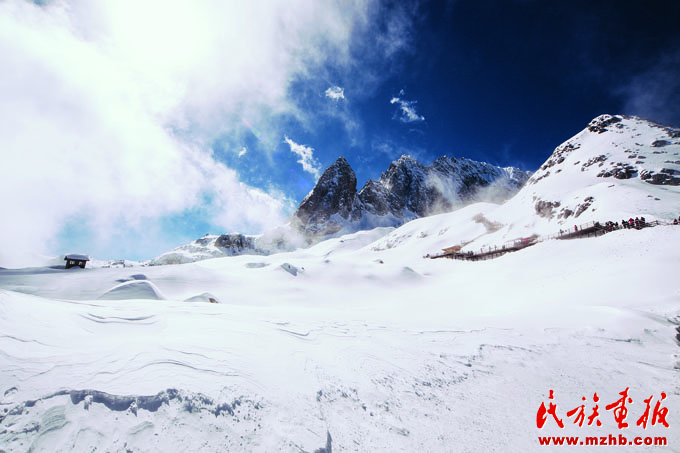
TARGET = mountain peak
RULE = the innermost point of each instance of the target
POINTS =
(406, 190)
(406, 158)
(341, 161)
(334, 193)
(602, 122)
(613, 151)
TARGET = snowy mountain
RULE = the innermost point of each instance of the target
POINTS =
(406, 190)
(617, 168)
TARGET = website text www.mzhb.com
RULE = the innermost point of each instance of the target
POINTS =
(601, 440)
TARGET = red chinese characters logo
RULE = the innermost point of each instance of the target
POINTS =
(619, 408)
(652, 415)
(659, 414)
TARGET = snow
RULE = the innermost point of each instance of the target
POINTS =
(135, 289)
(204, 297)
(359, 343)
(454, 353)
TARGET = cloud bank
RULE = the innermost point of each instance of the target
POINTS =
(108, 107)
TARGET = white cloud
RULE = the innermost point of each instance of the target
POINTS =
(106, 108)
(306, 158)
(336, 93)
(243, 151)
(407, 110)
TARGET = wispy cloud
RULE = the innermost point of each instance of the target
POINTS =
(655, 93)
(398, 26)
(393, 150)
(335, 92)
(243, 151)
(407, 110)
(306, 158)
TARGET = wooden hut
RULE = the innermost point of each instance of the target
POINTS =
(76, 260)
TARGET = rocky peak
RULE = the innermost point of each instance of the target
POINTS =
(602, 122)
(406, 190)
(374, 198)
(334, 193)
(406, 183)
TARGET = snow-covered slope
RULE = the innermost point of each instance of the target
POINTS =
(362, 348)
(358, 343)
(616, 168)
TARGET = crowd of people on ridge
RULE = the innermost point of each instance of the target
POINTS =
(637, 223)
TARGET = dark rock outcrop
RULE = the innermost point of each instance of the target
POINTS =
(600, 124)
(235, 243)
(660, 143)
(665, 177)
(545, 208)
(335, 194)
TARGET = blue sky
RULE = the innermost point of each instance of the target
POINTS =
(132, 128)
(498, 81)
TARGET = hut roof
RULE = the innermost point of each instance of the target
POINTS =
(75, 256)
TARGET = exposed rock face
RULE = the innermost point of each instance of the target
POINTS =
(602, 122)
(405, 183)
(374, 197)
(619, 171)
(660, 143)
(235, 243)
(334, 194)
(406, 190)
(665, 177)
(545, 208)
